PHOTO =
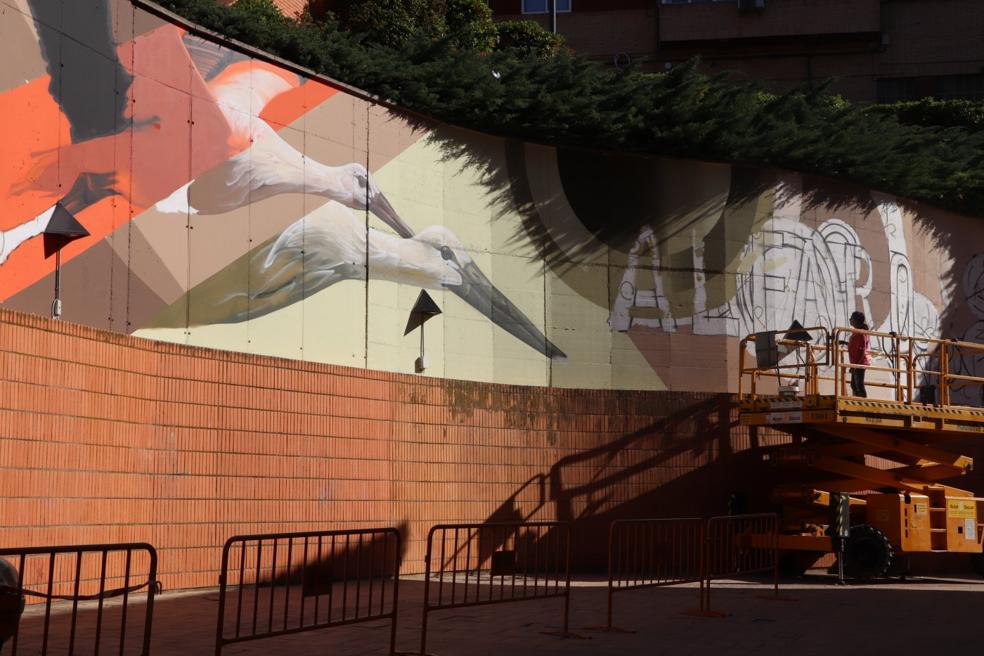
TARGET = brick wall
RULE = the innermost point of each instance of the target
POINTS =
(107, 438)
(111, 438)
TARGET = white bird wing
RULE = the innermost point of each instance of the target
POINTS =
(290, 242)
(270, 167)
(266, 166)
(244, 92)
(177, 202)
(321, 249)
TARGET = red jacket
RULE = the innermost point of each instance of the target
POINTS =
(857, 349)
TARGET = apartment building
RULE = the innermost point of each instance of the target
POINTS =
(876, 50)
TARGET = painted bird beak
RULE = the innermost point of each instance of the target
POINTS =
(382, 208)
(479, 292)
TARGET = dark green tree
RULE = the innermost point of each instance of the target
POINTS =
(470, 26)
(392, 23)
(928, 151)
(529, 38)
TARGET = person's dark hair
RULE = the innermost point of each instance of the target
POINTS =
(858, 318)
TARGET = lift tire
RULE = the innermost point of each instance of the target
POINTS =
(868, 553)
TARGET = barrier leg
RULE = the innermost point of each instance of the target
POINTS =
(609, 626)
(396, 601)
(611, 587)
(424, 613)
(611, 602)
(775, 596)
(704, 609)
(704, 585)
(565, 632)
(423, 633)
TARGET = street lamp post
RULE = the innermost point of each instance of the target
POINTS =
(423, 309)
(56, 305)
(62, 229)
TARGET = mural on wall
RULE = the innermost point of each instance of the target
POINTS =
(968, 364)
(788, 271)
(235, 204)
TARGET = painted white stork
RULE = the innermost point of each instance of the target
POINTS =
(330, 245)
(268, 165)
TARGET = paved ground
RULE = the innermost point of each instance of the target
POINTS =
(922, 616)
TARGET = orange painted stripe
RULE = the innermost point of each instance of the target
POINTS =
(160, 154)
(283, 110)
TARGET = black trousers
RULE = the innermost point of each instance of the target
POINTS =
(857, 382)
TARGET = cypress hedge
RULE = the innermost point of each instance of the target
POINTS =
(528, 88)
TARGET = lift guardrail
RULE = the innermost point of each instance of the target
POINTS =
(823, 365)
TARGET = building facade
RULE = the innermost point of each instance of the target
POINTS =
(876, 50)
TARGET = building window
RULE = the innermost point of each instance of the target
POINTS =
(543, 6)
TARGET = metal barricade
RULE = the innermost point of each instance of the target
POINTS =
(479, 564)
(739, 545)
(71, 582)
(283, 583)
(648, 553)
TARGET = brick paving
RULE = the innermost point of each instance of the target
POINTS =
(939, 615)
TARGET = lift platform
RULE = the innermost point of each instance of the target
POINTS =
(885, 451)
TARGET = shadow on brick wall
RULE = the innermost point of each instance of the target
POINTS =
(694, 462)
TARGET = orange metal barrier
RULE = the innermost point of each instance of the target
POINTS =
(479, 564)
(283, 583)
(738, 545)
(644, 553)
(90, 574)
(647, 553)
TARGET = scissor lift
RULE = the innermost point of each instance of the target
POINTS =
(884, 452)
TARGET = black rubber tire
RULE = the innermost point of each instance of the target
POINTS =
(868, 553)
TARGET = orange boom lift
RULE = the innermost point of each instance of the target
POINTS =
(879, 459)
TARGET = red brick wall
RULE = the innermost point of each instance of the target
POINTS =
(111, 438)
(107, 438)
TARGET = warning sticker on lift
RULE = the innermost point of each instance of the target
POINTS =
(960, 509)
(785, 417)
(785, 405)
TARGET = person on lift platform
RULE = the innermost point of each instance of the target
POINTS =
(857, 352)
